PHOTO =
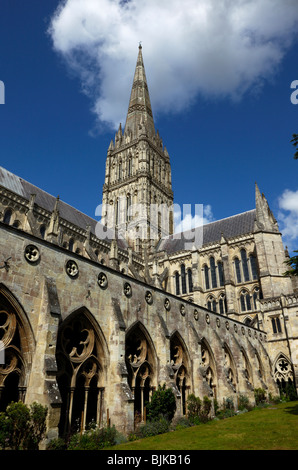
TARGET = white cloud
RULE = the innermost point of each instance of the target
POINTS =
(184, 220)
(288, 218)
(215, 48)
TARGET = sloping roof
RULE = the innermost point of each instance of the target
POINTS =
(46, 201)
(229, 227)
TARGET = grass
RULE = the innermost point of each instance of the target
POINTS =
(272, 428)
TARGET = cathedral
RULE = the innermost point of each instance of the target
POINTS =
(94, 316)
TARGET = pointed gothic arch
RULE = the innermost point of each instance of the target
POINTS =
(283, 371)
(82, 366)
(180, 363)
(17, 345)
(209, 367)
(247, 369)
(141, 363)
(230, 368)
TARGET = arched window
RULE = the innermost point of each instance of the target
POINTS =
(244, 265)
(257, 294)
(276, 326)
(190, 284)
(81, 377)
(177, 282)
(71, 244)
(180, 367)
(128, 205)
(253, 266)
(220, 273)
(183, 279)
(222, 304)
(15, 350)
(237, 270)
(7, 216)
(211, 304)
(120, 171)
(117, 212)
(42, 231)
(141, 367)
(245, 302)
(208, 361)
(213, 272)
(206, 272)
(129, 170)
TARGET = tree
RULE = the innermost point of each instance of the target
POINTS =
(293, 264)
(295, 144)
(22, 427)
(163, 403)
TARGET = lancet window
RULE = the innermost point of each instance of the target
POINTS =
(283, 372)
(183, 281)
(209, 368)
(179, 364)
(81, 373)
(246, 269)
(230, 369)
(7, 216)
(14, 347)
(140, 363)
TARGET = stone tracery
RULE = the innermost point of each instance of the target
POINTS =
(81, 365)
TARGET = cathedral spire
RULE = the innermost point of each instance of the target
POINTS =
(265, 219)
(139, 113)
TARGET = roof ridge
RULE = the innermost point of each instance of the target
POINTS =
(46, 192)
(215, 221)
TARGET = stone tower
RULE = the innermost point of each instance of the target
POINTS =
(137, 193)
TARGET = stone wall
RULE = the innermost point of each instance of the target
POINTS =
(176, 342)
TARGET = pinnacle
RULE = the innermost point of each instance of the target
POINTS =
(139, 109)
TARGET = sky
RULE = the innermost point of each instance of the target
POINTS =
(219, 74)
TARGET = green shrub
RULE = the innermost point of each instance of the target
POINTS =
(225, 413)
(57, 444)
(194, 405)
(243, 403)
(290, 392)
(229, 403)
(154, 427)
(95, 439)
(216, 406)
(22, 427)
(198, 411)
(181, 422)
(204, 414)
(260, 396)
(163, 403)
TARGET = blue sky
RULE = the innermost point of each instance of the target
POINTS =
(225, 117)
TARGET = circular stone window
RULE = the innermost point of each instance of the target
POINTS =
(102, 280)
(71, 268)
(182, 310)
(32, 253)
(167, 304)
(127, 289)
(149, 297)
(196, 314)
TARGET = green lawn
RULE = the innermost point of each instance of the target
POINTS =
(271, 428)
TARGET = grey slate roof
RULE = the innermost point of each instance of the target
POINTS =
(46, 201)
(229, 227)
